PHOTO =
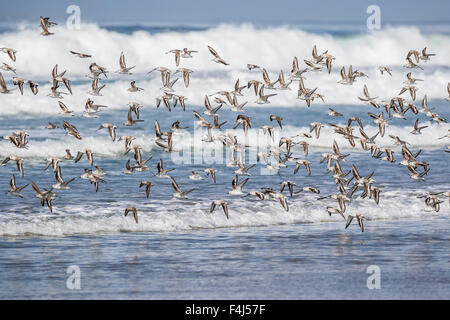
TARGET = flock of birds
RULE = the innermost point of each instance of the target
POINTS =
(275, 159)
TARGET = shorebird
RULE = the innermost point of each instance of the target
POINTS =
(95, 179)
(52, 162)
(424, 108)
(187, 53)
(19, 82)
(315, 126)
(96, 71)
(80, 55)
(368, 99)
(33, 86)
(147, 185)
(375, 194)
(14, 190)
(296, 73)
(68, 155)
(133, 210)
(10, 52)
(45, 197)
(99, 171)
(255, 193)
(216, 124)
(289, 184)
(127, 140)
(410, 80)
(255, 84)
(167, 84)
(270, 193)
(164, 71)
(89, 156)
(380, 121)
(304, 93)
(54, 93)
(417, 129)
(95, 89)
(169, 146)
(263, 99)
(319, 59)
(332, 210)
(411, 64)
(177, 53)
(186, 72)
(209, 110)
(217, 58)
(111, 128)
(166, 99)
(19, 163)
(61, 184)
(349, 78)
(7, 67)
(87, 173)
(133, 87)
(237, 89)
(71, 129)
(221, 203)
(178, 193)
(412, 90)
(252, 66)
(128, 168)
(237, 188)
(426, 56)
(359, 219)
(59, 77)
(142, 165)
(334, 113)
(385, 69)
(311, 66)
(268, 129)
(236, 106)
(161, 172)
(45, 24)
(175, 127)
(3, 87)
(18, 139)
(130, 121)
(309, 189)
(123, 66)
(212, 172)
(267, 83)
(243, 170)
(416, 175)
(362, 181)
(64, 109)
(196, 176)
(409, 159)
(245, 121)
(134, 106)
(413, 53)
(299, 163)
(278, 120)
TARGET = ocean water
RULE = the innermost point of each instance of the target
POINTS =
(181, 250)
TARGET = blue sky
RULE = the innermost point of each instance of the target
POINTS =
(212, 12)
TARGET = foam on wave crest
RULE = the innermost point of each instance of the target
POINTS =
(71, 220)
(102, 145)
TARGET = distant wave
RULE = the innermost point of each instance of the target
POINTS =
(272, 48)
